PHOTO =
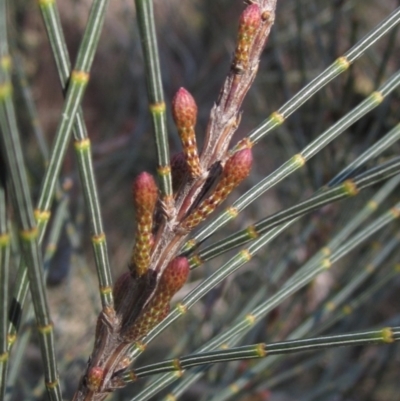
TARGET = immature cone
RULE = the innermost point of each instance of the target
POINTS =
(184, 112)
(145, 196)
(249, 22)
(236, 169)
(172, 280)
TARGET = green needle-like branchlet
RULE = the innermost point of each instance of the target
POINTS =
(5, 92)
(42, 212)
(297, 161)
(22, 82)
(82, 142)
(373, 151)
(355, 222)
(83, 152)
(265, 307)
(188, 380)
(349, 188)
(21, 285)
(340, 65)
(28, 232)
(145, 16)
(386, 335)
(4, 274)
(313, 324)
(278, 297)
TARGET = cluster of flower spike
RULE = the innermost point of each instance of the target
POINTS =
(145, 196)
(200, 183)
(139, 315)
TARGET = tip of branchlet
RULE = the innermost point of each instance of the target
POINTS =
(145, 192)
(145, 196)
(184, 109)
(238, 166)
(249, 22)
(251, 17)
(175, 275)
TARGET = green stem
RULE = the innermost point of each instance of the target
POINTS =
(261, 310)
(296, 162)
(340, 65)
(82, 143)
(348, 189)
(386, 335)
(28, 232)
(4, 274)
(376, 149)
(145, 16)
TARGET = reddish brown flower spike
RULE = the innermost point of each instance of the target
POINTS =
(145, 196)
(173, 278)
(184, 112)
(145, 192)
(184, 109)
(249, 22)
(175, 275)
(238, 166)
(236, 169)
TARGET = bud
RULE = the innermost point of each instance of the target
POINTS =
(145, 192)
(145, 195)
(236, 169)
(249, 22)
(184, 112)
(172, 280)
(175, 275)
(95, 378)
(184, 109)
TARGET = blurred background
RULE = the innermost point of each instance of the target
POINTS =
(196, 42)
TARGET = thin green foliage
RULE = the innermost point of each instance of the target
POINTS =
(289, 288)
